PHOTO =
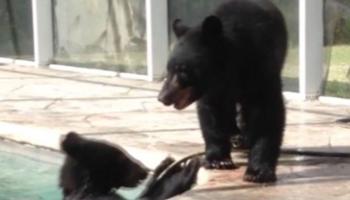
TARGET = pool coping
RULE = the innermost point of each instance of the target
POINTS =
(30, 151)
(47, 142)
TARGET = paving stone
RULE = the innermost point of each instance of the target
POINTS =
(38, 106)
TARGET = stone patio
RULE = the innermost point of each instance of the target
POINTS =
(38, 106)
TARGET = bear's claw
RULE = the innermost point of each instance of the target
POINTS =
(220, 164)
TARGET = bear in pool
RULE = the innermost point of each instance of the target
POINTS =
(96, 170)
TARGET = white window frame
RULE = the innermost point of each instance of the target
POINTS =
(311, 54)
(311, 65)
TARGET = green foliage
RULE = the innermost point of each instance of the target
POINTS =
(342, 31)
(338, 79)
(290, 11)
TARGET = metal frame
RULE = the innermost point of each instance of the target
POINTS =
(310, 53)
(42, 32)
(157, 37)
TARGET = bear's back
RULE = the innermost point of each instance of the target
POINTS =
(257, 27)
(251, 16)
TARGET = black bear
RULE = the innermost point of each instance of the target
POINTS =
(234, 57)
(94, 170)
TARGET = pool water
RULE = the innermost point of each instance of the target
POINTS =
(28, 173)
(24, 178)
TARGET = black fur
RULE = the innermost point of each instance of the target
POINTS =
(171, 179)
(234, 57)
(94, 170)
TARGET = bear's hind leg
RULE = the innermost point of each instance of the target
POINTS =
(265, 128)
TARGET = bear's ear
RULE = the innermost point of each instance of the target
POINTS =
(178, 28)
(212, 27)
(70, 142)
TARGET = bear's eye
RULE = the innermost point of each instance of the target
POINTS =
(181, 68)
(185, 77)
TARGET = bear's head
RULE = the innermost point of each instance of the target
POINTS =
(194, 63)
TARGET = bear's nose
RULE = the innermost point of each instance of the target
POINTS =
(164, 98)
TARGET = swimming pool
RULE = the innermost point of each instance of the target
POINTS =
(28, 173)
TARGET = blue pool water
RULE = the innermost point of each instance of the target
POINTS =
(25, 178)
(28, 173)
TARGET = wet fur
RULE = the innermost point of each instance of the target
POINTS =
(94, 170)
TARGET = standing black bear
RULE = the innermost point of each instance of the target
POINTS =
(234, 57)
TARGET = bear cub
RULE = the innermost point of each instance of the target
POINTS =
(95, 170)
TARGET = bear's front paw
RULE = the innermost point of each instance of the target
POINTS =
(260, 176)
(220, 164)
